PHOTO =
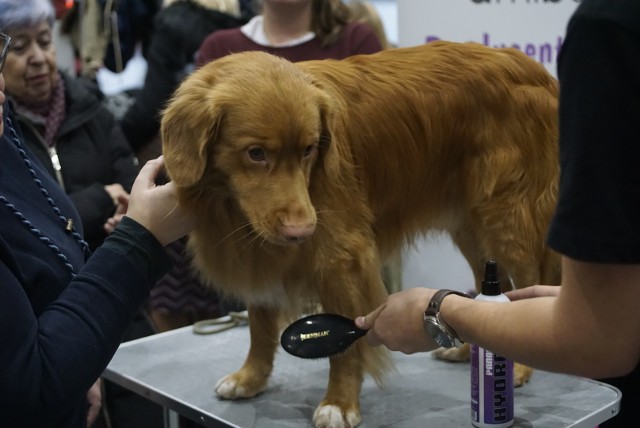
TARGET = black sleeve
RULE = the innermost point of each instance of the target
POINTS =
(599, 200)
(49, 362)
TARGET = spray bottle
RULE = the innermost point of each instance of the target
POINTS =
(491, 374)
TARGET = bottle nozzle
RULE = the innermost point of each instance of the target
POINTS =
(490, 283)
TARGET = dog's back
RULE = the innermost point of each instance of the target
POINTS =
(456, 137)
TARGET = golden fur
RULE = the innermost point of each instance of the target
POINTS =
(302, 177)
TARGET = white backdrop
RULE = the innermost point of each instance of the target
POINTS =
(536, 27)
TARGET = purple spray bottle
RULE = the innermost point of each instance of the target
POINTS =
(491, 374)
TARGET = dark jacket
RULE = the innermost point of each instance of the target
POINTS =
(93, 153)
(178, 31)
(58, 333)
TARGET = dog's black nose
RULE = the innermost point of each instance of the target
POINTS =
(295, 239)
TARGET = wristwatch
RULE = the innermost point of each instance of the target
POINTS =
(435, 326)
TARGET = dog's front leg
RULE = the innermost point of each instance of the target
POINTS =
(252, 378)
(340, 407)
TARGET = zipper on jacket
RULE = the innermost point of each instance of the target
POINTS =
(55, 161)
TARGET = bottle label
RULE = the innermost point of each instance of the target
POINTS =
(491, 387)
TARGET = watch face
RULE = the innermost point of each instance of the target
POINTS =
(438, 332)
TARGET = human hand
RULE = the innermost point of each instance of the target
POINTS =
(533, 291)
(397, 323)
(94, 398)
(116, 192)
(121, 210)
(156, 206)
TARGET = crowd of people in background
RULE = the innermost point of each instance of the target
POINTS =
(89, 158)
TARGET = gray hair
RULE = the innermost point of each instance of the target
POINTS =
(25, 13)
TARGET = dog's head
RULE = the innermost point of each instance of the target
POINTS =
(261, 127)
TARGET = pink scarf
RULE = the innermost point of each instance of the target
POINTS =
(50, 115)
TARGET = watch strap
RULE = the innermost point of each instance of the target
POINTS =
(433, 309)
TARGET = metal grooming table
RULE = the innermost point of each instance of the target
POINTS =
(178, 370)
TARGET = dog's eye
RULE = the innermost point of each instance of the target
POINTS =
(257, 154)
(308, 151)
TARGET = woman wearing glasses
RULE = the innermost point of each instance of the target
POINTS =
(64, 123)
(62, 315)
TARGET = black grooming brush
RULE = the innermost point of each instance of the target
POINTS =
(320, 336)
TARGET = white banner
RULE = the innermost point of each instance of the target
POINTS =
(536, 27)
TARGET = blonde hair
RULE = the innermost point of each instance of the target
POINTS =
(232, 7)
(366, 13)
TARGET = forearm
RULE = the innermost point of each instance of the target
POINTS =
(50, 362)
(590, 329)
(524, 331)
(96, 308)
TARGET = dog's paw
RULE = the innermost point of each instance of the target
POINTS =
(453, 354)
(332, 416)
(238, 386)
(521, 374)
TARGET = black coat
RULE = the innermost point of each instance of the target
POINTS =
(179, 29)
(93, 152)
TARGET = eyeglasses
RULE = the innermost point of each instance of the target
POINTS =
(5, 42)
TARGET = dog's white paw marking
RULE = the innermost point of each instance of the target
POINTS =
(228, 388)
(331, 417)
(353, 418)
(451, 354)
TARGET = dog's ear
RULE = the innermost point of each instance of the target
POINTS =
(189, 124)
(329, 155)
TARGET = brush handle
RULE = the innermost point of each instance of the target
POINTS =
(320, 336)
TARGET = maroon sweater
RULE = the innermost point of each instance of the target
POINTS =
(354, 39)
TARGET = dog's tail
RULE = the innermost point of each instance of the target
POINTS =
(377, 362)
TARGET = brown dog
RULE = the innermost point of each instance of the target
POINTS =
(302, 177)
